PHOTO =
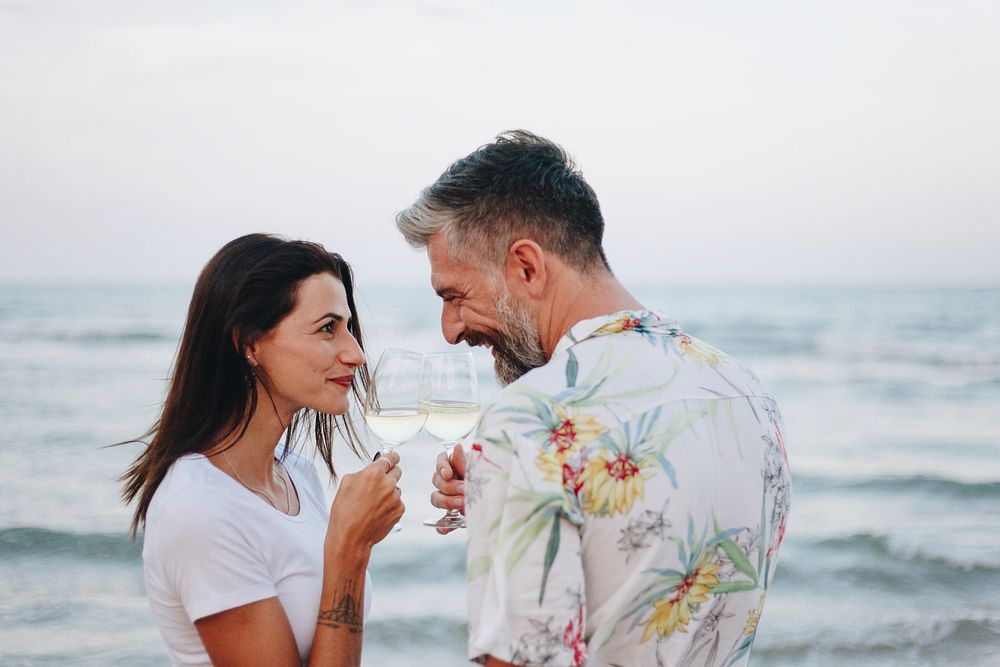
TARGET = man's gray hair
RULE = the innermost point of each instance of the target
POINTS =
(520, 186)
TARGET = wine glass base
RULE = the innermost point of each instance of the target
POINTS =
(446, 522)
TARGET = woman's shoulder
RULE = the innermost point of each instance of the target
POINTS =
(190, 488)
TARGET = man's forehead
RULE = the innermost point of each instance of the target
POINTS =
(446, 271)
(444, 280)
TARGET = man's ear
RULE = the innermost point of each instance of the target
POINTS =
(525, 268)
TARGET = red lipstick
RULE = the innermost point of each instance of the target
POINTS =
(344, 381)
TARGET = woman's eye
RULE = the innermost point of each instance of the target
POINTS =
(327, 328)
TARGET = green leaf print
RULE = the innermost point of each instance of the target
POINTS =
(572, 368)
(479, 567)
(738, 558)
(679, 423)
(734, 587)
(524, 540)
(550, 556)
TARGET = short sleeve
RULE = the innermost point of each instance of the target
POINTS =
(526, 588)
(205, 559)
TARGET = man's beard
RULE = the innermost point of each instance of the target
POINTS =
(516, 342)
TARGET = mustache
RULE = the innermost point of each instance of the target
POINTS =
(479, 340)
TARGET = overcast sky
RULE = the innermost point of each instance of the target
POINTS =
(778, 142)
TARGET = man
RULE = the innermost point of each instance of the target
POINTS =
(626, 493)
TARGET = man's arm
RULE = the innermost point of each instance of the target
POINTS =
(496, 662)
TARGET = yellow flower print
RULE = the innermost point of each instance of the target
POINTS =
(567, 436)
(614, 480)
(618, 325)
(698, 351)
(673, 613)
(574, 429)
(753, 618)
(551, 465)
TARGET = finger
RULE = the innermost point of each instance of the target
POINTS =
(395, 474)
(445, 502)
(444, 466)
(384, 463)
(458, 461)
(392, 458)
(453, 488)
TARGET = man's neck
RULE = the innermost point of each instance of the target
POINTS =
(577, 297)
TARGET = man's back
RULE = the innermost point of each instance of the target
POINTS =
(626, 502)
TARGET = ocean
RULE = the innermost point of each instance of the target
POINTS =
(891, 399)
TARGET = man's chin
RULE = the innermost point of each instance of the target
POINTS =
(506, 368)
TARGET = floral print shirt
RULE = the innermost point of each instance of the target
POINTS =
(625, 503)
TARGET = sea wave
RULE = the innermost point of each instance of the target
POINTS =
(934, 638)
(880, 548)
(422, 630)
(401, 567)
(924, 484)
(971, 354)
(88, 338)
(101, 337)
(396, 567)
(31, 541)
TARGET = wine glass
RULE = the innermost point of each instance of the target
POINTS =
(449, 394)
(391, 406)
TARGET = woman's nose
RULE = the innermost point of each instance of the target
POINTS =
(352, 354)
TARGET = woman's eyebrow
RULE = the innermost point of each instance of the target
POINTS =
(335, 316)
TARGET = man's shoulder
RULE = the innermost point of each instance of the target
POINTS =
(635, 367)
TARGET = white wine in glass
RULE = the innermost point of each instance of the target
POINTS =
(450, 421)
(395, 426)
(392, 412)
(449, 394)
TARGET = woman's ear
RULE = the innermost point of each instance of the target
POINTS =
(248, 350)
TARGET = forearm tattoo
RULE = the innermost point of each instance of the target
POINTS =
(346, 611)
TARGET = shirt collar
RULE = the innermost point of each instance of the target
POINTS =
(641, 321)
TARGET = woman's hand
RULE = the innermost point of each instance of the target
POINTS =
(367, 505)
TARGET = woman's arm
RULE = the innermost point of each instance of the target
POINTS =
(366, 507)
(254, 634)
(340, 625)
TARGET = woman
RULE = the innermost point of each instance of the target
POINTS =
(243, 563)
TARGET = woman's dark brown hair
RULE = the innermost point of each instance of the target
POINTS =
(243, 292)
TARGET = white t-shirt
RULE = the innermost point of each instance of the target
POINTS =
(211, 544)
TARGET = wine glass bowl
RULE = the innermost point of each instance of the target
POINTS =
(392, 410)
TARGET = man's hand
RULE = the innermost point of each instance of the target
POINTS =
(448, 480)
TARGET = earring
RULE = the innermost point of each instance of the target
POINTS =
(251, 361)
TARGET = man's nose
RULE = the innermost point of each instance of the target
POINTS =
(452, 326)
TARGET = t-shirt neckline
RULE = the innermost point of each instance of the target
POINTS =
(294, 518)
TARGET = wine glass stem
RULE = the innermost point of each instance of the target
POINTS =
(449, 445)
(385, 449)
